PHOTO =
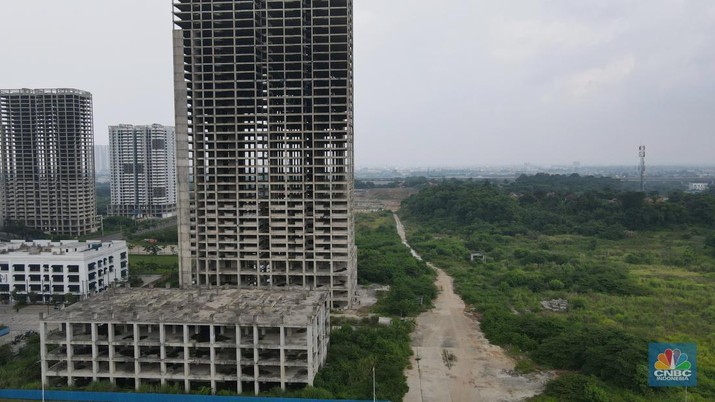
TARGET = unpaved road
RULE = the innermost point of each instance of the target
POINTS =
(453, 361)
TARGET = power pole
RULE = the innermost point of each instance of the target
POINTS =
(641, 168)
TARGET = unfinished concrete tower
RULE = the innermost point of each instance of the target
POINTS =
(264, 123)
(48, 160)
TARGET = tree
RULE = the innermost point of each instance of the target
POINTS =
(34, 297)
(20, 299)
(58, 298)
(70, 298)
(152, 249)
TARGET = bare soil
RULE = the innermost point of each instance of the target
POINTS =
(382, 198)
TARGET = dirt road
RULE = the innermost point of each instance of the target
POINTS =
(453, 361)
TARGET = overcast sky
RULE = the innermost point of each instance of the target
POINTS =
(438, 82)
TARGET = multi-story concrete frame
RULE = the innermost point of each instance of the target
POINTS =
(264, 104)
(48, 159)
(143, 170)
(236, 340)
(47, 268)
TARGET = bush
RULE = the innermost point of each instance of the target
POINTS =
(353, 353)
(639, 258)
(610, 354)
(577, 388)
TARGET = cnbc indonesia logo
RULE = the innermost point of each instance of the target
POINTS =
(672, 365)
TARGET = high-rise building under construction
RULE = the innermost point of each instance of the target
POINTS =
(47, 160)
(264, 125)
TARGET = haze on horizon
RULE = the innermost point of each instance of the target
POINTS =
(448, 83)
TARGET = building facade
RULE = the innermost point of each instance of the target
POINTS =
(264, 120)
(44, 268)
(47, 165)
(143, 171)
(243, 341)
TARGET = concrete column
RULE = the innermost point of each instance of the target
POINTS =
(187, 384)
(112, 367)
(283, 357)
(183, 200)
(310, 348)
(137, 356)
(95, 352)
(255, 359)
(70, 364)
(212, 351)
(43, 349)
(162, 351)
(239, 385)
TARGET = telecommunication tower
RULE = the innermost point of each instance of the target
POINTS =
(641, 168)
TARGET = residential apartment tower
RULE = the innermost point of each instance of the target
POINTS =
(143, 171)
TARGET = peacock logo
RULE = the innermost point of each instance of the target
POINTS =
(672, 364)
(672, 359)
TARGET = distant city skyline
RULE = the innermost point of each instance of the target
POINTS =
(488, 84)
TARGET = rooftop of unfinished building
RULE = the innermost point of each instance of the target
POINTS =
(43, 91)
(293, 307)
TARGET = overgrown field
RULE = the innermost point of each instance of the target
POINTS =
(652, 278)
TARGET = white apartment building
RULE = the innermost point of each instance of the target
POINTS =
(143, 171)
(46, 268)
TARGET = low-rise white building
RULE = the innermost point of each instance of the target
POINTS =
(46, 268)
(698, 186)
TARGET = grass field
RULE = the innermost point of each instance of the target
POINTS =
(153, 264)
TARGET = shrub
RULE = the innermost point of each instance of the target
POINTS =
(577, 388)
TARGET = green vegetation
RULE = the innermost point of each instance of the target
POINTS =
(168, 235)
(634, 269)
(382, 258)
(153, 264)
(162, 230)
(21, 369)
(355, 349)
(165, 265)
(104, 197)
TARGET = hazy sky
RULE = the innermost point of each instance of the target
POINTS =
(447, 82)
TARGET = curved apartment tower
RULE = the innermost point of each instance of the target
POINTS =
(264, 125)
(47, 138)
